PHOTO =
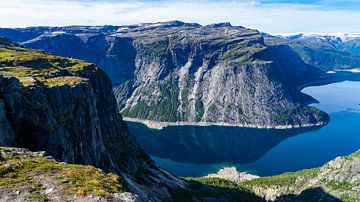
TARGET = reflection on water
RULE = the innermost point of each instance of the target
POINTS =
(197, 151)
(210, 144)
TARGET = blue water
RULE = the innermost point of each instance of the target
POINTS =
(197, 151)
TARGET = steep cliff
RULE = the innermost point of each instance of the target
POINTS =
(183, 72)
(67, 108)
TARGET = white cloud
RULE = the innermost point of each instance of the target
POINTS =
(273, 18)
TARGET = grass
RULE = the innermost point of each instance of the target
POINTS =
(64, 80)
(33, 66)
(19, 171)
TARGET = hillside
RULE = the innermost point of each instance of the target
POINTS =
(337, 180)
(67, 108)
(188, 73)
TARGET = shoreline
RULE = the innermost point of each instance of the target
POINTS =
(159, 125)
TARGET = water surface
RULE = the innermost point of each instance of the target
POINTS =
(197, 150)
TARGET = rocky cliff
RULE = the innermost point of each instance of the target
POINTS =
(184, 72)
(67, 108)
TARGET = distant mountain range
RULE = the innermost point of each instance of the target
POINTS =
(325, 51)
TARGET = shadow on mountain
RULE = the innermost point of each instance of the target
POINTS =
(211, 144)
(310, 195)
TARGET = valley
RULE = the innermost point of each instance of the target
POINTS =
(148, 109)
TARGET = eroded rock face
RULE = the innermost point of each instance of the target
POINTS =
(177, 71)
(68, 109)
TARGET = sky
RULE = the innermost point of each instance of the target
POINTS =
(271, 16)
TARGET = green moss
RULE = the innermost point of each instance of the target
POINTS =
(32, 66)
(19, 171)
(64, 80)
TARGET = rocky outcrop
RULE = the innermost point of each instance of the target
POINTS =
(67, 108)
(49, 180)
(230, 173)
(187, 73)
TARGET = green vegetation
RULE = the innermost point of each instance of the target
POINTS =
(241, 52)
(284, 179)
(337, 185)
(5, 42)
(32, 66)
(352, 156)
(27, 170)
(286, 117)
(199, 108)
(200, 188)
(158, 48)
(160, 109)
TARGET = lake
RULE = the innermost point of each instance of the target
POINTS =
(198, 151)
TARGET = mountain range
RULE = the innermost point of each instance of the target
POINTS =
(187, 73)
(167, 72)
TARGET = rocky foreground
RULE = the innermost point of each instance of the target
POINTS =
(34, 176)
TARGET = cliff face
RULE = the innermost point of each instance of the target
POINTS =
(67, 108)
(176, 71)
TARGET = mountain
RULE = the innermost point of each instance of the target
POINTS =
(67, 108)
(184, 72)
(325, 51)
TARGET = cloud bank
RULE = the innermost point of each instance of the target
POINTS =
(271, 17)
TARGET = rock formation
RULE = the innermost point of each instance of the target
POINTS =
(185, 72)
(67, 108)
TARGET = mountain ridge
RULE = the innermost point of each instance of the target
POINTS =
(178, 61)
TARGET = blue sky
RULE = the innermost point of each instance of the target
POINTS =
(273, 16)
